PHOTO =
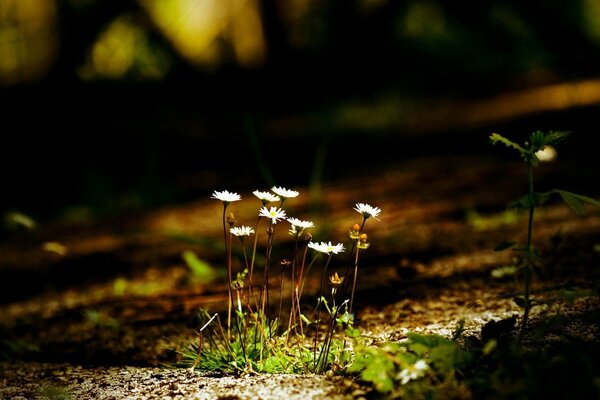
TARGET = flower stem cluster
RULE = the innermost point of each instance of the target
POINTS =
(256, 325)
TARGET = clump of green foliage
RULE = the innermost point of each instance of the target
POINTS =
(258, 335)
(531, 153)
(423, 366)
(494, 365)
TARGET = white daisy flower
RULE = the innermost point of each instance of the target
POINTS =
(266, 197)
(327, 248)
(300, 224)
(225, 196)
(241, 231)
(367, 210)
(413, 372)
(285, 193)
(274, 213)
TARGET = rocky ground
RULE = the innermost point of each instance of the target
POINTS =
(98, 311)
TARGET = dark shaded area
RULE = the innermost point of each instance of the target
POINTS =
(119, 145)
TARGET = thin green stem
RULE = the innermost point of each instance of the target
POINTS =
(300, 286)
(528, 253)
(317, 311)
(254, 247)
(354, 280)
(228, 260)
(294, 288)
(264, 294)
(229, 282)
(352, 250)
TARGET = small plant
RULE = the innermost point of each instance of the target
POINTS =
(422, 367)
(257, 336)
(533, 152)
(494, 365)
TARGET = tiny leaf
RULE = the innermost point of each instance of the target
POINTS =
(555, 137)
(527, 201)
(575, 201)
(495, 138)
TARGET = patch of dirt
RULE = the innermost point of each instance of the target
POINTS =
(102, 317)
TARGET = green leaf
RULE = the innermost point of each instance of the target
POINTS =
(555, 137)
(526, 202)
(429, 341)
(539, 139)
(201, 270)
(504, 245)
(495, 138)
(449, 356)
(489, 347)
(575, 201)
(378, 372)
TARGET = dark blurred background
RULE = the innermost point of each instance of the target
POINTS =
(114, 106)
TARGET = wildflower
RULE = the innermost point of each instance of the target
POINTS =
(285, 193)
(327, 248)
(299, 223)
(367, 211)
(242, 231)
(265, 197)
(336, 280)
(225, 196)
(298, 226)
(274, 213)
(363, 241)
(354, 232)
(413, 372)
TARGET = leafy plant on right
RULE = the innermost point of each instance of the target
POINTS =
(531, 152)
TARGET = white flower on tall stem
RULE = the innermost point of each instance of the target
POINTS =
(242, 231)
(327, 248)
(285, 193)
(298, 226)
(367, 211)
(226, 196)
(266, 197)
(274, 213)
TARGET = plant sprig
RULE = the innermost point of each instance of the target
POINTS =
(530, 152)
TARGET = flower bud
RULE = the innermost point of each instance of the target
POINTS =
(231, 219)
(363, 241)
(354, 232)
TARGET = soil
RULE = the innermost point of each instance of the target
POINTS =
(98, 311)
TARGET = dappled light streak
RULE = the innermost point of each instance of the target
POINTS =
(201, 30)
(391, 112)
(27, 39)
(125, 49)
